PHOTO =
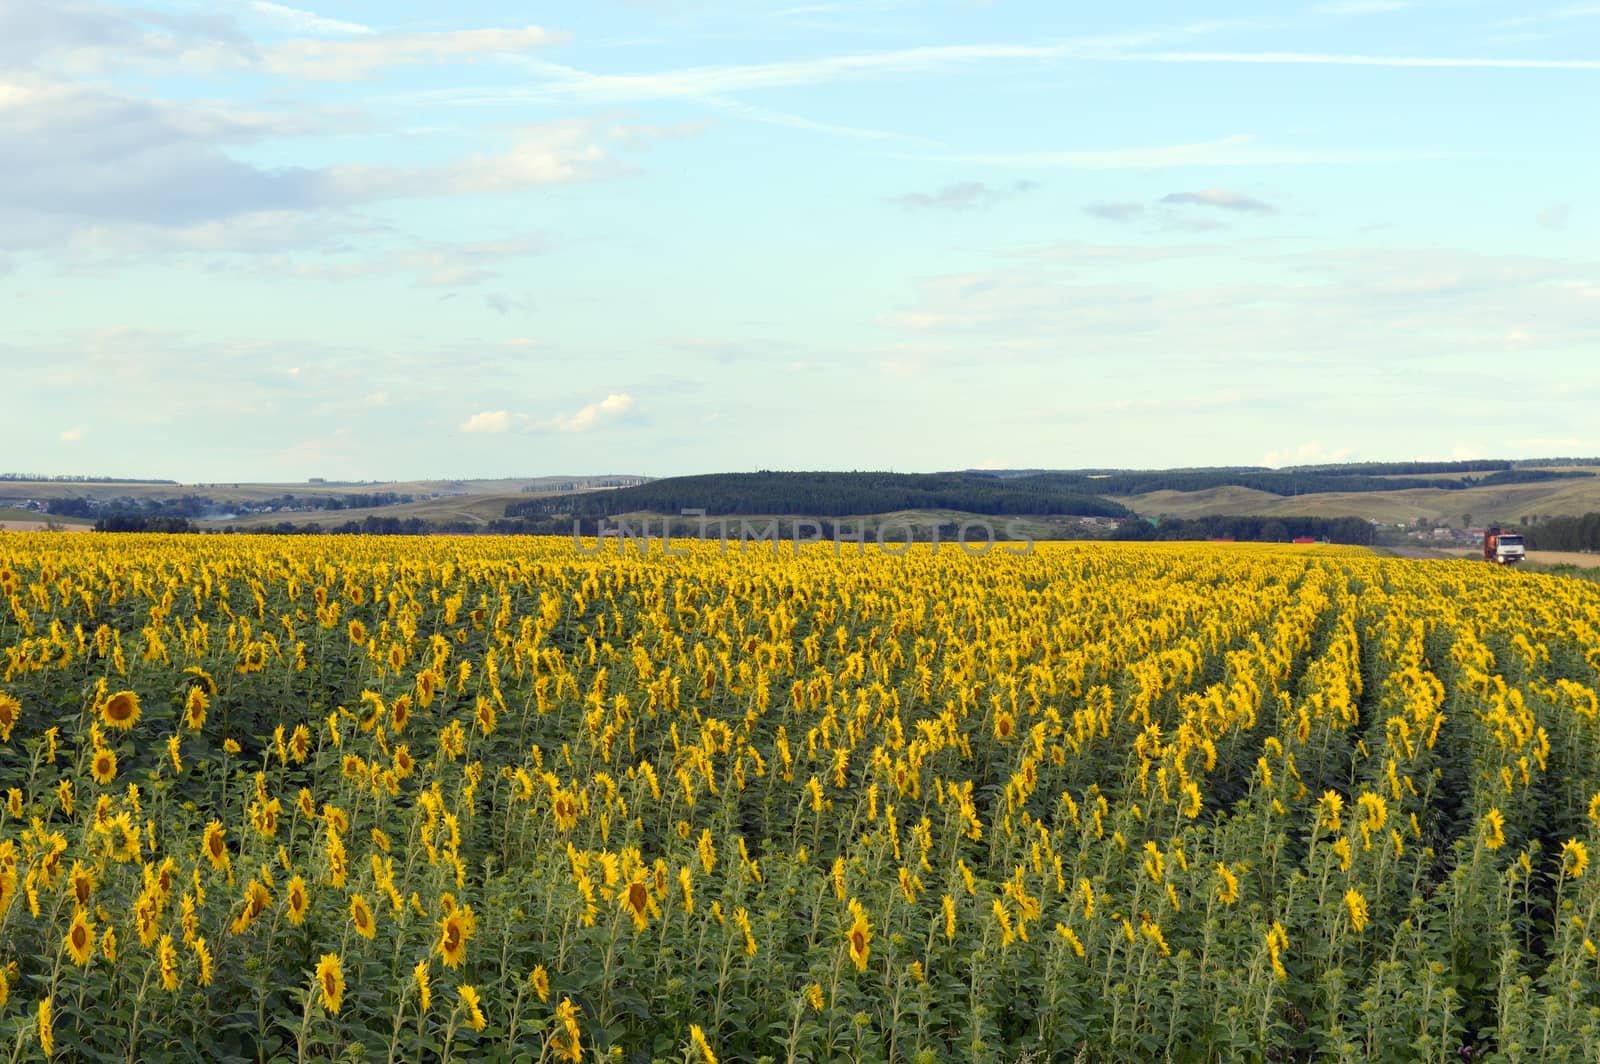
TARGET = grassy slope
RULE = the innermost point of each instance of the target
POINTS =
(10, 513)
(1506, 503)
(478, 509)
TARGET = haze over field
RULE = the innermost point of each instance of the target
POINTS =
(261, 241)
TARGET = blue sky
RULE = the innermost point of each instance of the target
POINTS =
(257, 241)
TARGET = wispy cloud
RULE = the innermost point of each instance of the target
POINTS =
(1356, 60)
(1555, 216)
(307, 21)
(430, 265)
(1115, 212)
(359, 58)
(555, 153)
(1220, 198)
(93, 37)
(1237, 150)
(965, 196)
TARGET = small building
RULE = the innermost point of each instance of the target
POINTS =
(1303, 540)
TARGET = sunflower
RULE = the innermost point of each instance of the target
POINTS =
(103, 766)
(636, 903)
(47, 1029)
(1227, 885)
(361, 917)
(455, 930)
(10, 711)
(859, 936)
(1356, 905)
(256, 900)
(566, 810)
(358, 636)
(202, 953)
(1005, 725)
(194, 709)
(79, 940)
(81, 880)
(540, 980)
(128, 841)
(469, 998)
(215, 845)
(1574, 858)
(296, 900)
(300, 743)
(570, 1047)
(1494, 829)
(121, 710)
(698, 1038)
(168, 958)
(424, 992)
(330, 979)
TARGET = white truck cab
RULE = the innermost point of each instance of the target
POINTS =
(1503, 548)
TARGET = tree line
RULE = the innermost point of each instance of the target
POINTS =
(1355, 531)
(1564, 533)
(819, 494)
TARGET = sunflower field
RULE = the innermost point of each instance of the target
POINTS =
(497, 799)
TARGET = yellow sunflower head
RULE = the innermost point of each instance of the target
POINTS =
(121, 710)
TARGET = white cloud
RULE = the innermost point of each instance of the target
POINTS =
(608, 410)
(1555, 216)
(93, 37)
(434, 265)
(74, 434)
(965, 196)
(489, 421)
(114, 172)
(1236, 150)
(358, 58)
(555, 153)
(307, 21)
(1222, 198)
(1358, 60)
(1309, 453)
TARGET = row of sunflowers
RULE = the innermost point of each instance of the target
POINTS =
(502, 799)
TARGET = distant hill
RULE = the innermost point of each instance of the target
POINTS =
(823, 494)
(1393, 476)
(1457, 493)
